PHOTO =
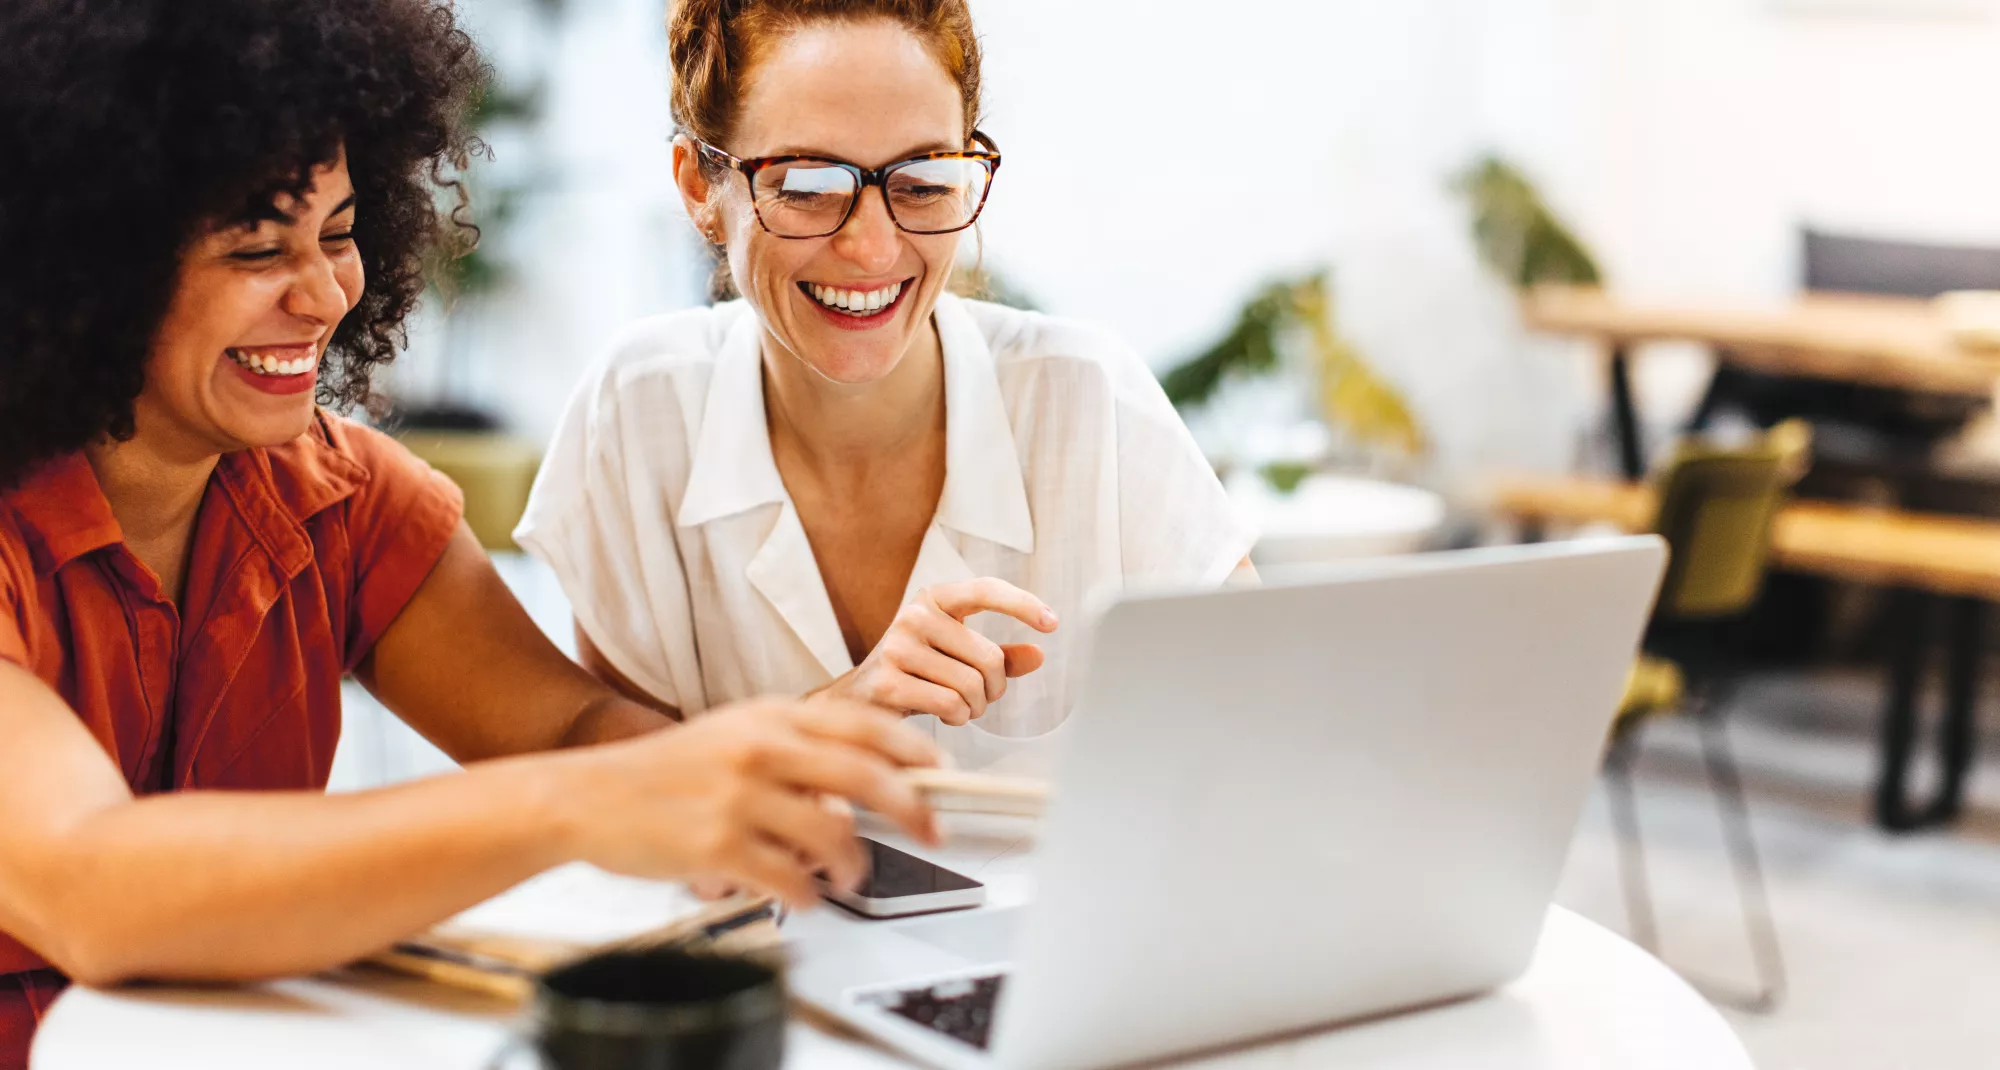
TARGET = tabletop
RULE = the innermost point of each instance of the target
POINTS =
(1589, 1000)
(1950, 555)
(1881, 341)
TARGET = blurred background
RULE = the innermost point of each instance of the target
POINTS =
(1331, 226)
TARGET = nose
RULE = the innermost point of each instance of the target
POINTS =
(316, 294)
(870, 238)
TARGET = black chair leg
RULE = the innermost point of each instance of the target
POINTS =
(1726, 786)
(1753, 898)
(1640, 921)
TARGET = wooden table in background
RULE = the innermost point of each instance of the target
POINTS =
(1894, 342)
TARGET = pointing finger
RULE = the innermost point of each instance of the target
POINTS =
(988, 595)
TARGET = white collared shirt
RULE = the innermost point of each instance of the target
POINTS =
(662, 512)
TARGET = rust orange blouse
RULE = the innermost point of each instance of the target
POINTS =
(302, 556)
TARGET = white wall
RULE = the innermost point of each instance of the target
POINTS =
(1692, 137)
(604, 240)
(1690, 140)
(1685, 138)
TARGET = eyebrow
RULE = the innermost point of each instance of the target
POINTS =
(272, 214)
(921, 150)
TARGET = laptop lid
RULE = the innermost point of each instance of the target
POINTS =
(1334, 796)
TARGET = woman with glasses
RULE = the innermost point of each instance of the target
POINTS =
(850, 480)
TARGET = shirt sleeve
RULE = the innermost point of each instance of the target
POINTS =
(13, 644)
(597, 517)
(1176, 525)
(398, 525)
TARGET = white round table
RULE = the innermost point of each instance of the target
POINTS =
(1331, 517)
(1591, 1000)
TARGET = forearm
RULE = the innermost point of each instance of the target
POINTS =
(224, 886)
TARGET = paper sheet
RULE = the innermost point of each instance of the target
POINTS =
(580, 903)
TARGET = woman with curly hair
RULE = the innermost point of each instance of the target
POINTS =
(212, 214)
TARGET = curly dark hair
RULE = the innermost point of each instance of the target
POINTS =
(128, 126)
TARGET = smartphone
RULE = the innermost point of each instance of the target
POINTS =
(900, 884)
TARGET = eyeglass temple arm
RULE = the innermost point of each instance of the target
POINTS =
(720, 156)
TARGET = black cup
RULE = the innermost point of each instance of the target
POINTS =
(661, 1010)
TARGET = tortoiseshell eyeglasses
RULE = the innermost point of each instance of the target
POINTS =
(812, 196)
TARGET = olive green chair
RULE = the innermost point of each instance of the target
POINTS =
(1716, 511)
(495, 471)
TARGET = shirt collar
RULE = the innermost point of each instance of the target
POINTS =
(276, 490)
(984, 494)
(733, 470)
(65, 515)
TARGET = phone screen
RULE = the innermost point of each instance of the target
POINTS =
(893, 874)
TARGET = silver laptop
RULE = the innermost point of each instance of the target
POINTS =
(1332, 797)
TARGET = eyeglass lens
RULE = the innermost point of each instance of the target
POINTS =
(808, 199)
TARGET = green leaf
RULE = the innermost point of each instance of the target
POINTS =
(1285, 476)
(1351, 395)
(1250, 347)
(1517, 234)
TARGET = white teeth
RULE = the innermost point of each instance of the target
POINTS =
(265, 364)
(856, 301)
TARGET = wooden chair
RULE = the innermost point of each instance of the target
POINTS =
(1716, 510)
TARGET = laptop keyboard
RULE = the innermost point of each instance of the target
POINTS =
(961, 1008)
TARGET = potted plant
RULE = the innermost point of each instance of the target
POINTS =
(1287, 329)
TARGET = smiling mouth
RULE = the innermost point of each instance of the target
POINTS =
(856, 303)
(277, 362)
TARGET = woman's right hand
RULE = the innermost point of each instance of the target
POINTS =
(930, 662)
(740, 794)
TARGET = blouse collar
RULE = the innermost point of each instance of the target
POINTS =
(984, 494)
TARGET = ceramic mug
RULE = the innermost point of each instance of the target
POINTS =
(659, 1009)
